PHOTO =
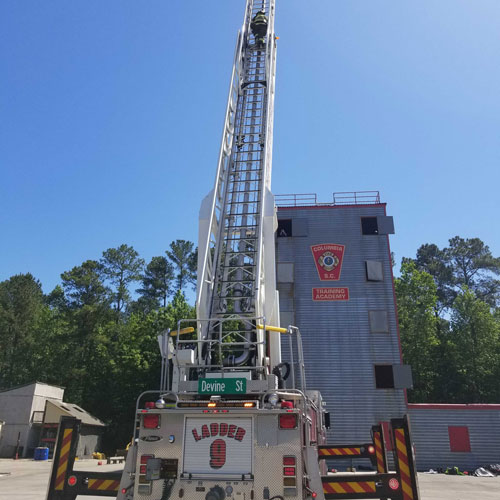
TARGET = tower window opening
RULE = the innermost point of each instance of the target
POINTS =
(384, 377)
(369, 225)
(284, 228)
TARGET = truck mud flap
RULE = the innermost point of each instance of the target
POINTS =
(67, 484)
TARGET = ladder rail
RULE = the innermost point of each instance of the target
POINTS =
(230, 272)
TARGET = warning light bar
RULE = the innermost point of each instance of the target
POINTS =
(218, 404)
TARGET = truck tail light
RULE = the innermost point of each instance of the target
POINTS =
(145, 458)
(394, 484)
(151, 421)
(287, 404)
(288, 421)
(371, 449)
(289, 471)
(289, 460)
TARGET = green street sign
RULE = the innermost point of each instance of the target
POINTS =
(222, 386)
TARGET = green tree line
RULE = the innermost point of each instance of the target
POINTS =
(97, 338)
(449, 318)
(91, 334)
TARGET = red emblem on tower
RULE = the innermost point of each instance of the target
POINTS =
(328, 259)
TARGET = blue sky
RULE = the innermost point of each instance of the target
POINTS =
(112, 114)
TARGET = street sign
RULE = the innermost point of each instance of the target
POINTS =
(226, 385)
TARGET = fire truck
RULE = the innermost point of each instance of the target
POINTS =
(233, 418)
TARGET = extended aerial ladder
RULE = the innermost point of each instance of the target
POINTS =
(236, 268)
(224, 424)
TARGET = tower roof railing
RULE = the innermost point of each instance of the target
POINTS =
(339, 198)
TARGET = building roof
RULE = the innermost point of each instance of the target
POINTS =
(453, 406)
(72, 410)
(30, 383)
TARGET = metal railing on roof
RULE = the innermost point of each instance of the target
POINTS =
(340, 198)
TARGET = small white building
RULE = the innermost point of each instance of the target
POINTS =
(22, 409)
(91, 428)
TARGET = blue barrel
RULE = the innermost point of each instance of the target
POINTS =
(41, 453)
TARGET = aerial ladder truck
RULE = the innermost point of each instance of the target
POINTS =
(233, 418)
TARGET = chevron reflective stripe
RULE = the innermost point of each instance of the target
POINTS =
(349, 487)
(404, 465)
(377, 440)
(63, 459)
(103, 484)
(336, 451)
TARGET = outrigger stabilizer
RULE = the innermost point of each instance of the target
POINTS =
(399, 485)
(65, 482)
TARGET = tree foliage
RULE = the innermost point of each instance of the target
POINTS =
(121, 266)
(417, 300)
(157, 281)
(89, 336)
(21, 304)
(456, 356)
(184, 258)
(476, 338)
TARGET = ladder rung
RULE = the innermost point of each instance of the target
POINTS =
(231, 297)
(237, 203)
(248, 238)
(238, 182)
(235, 282)
(237, 228)
(249, 213)
(243, 252)
(241, 191)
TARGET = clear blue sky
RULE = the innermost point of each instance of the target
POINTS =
(111, 115)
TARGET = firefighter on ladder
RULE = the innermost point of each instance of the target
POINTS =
(259, 28)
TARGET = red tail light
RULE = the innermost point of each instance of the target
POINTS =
(145, 458)
(142, 469)
(394, 484)
(289, 471)
(288, 460)
(288, 421)
(371, 449)
(314, 494)
(72, 480)
(151, 421)
(287, 404)
(149, 405)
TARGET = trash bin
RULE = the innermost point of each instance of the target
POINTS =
(41, 453)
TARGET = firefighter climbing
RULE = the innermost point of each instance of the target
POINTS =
(259, 28)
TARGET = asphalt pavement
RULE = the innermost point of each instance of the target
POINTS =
(28, 480)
